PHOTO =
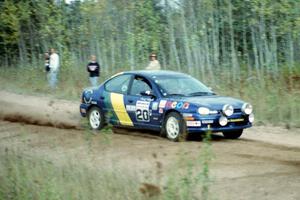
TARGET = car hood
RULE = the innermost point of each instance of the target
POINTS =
(215, 102)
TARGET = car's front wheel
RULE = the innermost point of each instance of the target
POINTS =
(174, 127)
(233, 134)
(96, 118)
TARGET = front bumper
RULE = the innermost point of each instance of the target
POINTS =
(217, 129)
(83, 108)
(211, 123)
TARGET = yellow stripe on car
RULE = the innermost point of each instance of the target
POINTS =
(117, 102)
(235, 120)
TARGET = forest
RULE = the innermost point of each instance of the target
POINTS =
(225, 43)
(198, 36)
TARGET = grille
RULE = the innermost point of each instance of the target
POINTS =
(237, 110)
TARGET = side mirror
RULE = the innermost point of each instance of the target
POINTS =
(148, 93)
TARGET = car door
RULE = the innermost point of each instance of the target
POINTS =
(113, 97)
(140, 106)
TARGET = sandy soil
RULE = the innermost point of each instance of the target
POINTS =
(263, 164)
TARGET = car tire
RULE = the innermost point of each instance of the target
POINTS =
(174, 127)
(96, 118)
(233, 134)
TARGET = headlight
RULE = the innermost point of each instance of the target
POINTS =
(251, 118)
(203, 111)
(223, 121)
(227, 110)
(247, 108)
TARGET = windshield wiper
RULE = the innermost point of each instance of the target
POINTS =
(201, 93)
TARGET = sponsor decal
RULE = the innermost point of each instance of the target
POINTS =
(82, 110)
(173, 105)
(213, 112)
(146, 99)
(88, 96)
(142, 111)
(235, 120)
(154, 105)
(162, 103)
(186, 105)
(189, 118)
(94, 102)
(130, 107)
(169, 104)
(207, 121)
(177, 105)
(142, 104)
(193, 123)
(161, 110)
(124, 88)
(187, 114)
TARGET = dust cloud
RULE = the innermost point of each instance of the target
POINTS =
(41, 111)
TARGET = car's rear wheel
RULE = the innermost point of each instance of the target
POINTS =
(174, 127)
(233, 134)
(96, 118)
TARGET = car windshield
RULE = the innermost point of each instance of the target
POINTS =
(181, 86)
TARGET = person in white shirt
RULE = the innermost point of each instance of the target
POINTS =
(154, 63)
(54, 67)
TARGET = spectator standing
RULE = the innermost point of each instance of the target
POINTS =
(93, 68)
(54, 67)
(154, 63)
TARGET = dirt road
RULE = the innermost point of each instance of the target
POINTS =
(263, 164)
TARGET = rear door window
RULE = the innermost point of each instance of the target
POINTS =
(118, 84)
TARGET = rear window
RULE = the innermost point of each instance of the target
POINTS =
(118, 84)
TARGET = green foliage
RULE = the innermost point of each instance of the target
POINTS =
(25, 178)
(193, 36)
(9, 23)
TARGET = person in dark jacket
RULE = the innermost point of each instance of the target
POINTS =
(47, 61)
(94, 69)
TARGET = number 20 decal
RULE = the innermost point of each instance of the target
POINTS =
(142, 115)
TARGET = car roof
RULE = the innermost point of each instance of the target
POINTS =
(151, 73)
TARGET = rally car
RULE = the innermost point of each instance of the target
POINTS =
(170, 102)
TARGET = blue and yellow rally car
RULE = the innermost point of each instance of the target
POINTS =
(170, 102)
